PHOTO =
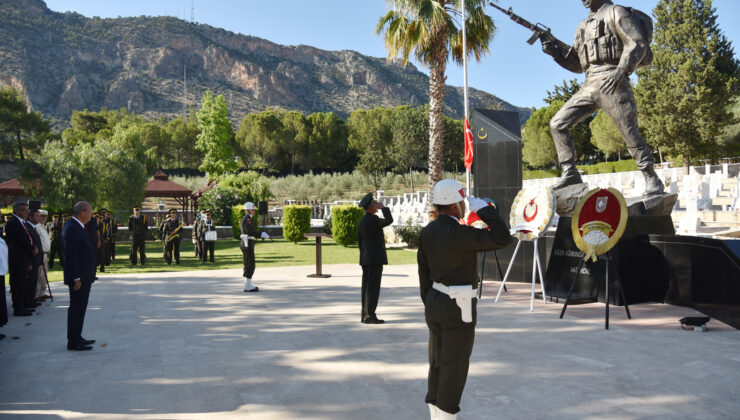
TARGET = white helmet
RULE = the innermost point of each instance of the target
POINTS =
(249, 205)
(448, 191)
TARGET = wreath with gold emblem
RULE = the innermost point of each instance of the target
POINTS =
(531, 212)
(599, 222)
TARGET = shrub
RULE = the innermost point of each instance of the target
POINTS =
(296, 222)
(345, 220)
(409, 233)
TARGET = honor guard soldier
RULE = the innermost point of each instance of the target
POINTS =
(248, 241)
(106, 236)
(207, 231)
(137, 227)
(171, 229)
(113, 232)
(448, 281)
(54, 228)
(372, 255)
(196, 232)
(100, 251)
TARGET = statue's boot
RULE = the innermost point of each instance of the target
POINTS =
(569, 177)
(653, 184)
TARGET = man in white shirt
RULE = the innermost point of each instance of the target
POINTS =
(45, 248)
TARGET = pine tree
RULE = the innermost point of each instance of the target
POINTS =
(683, 95)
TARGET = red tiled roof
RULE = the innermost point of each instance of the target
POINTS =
(161, 186)
(14, 187)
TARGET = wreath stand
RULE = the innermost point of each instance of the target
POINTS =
(617, 283)
(536, 266)
(483, 272)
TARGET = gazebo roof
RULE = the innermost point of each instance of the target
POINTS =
(161, 186)
(14, 187)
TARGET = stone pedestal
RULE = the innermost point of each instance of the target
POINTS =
(634, 259)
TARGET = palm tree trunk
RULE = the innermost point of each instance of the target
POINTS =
(437, 67)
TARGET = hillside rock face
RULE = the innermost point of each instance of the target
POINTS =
(65, 62)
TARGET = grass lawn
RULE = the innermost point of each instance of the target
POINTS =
(275, 253)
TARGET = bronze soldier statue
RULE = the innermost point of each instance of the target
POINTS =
(610, 44)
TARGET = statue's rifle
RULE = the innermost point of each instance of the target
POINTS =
(539, 31)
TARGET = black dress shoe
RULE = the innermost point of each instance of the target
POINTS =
(252, 290)
(78, 347)
(87, 342)
(2, 336)
(372, 320)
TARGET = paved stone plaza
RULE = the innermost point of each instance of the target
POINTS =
(192, 345)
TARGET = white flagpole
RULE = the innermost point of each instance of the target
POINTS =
(465, 85)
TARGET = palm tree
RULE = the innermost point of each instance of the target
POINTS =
(430, 30)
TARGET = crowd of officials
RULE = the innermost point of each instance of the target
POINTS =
(30, 245)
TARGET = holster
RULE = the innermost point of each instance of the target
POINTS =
(463, 297)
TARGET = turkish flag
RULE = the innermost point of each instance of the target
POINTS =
(468, 146)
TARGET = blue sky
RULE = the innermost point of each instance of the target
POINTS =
(514, 71)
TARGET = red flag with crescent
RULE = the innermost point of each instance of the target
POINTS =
(468, 146)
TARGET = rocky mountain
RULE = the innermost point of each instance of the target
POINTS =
(156, 66)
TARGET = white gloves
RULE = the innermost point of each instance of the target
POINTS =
(265, 235)
(475, 203)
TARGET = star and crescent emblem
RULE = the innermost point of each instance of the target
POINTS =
(531, 204)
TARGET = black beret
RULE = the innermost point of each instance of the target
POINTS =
(366, 201)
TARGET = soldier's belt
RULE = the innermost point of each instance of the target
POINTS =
(463, 296)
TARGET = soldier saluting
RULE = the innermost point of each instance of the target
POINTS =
(448, 281)
(610, 44)
(171, 229)
(137, 228)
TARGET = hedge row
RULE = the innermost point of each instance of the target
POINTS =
(296, 222)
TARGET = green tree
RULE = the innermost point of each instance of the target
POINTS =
(215, 137)
(119, 178)
(18, 123)
(261, 142)
(63, 176)
(454, 144)
(428, 29)
(683, 95)
(606, 136)
(297, 133)
(370, 137)
(183, 135)
(539, 149)
(328, 144)
(410, 130)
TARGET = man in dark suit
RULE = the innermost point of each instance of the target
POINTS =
(448, 281)
(21, 250)
(29, 295)
(372, 255)
(79, 273)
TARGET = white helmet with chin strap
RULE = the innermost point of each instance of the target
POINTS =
(448, 191)
(249, 205)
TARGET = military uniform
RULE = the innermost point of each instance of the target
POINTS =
(113, 233)
(106, 237)
(196, 233)
(206, 247)
(447, 257)
(137, 228)
(372, 257)
(55, 234)
(171, 229)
